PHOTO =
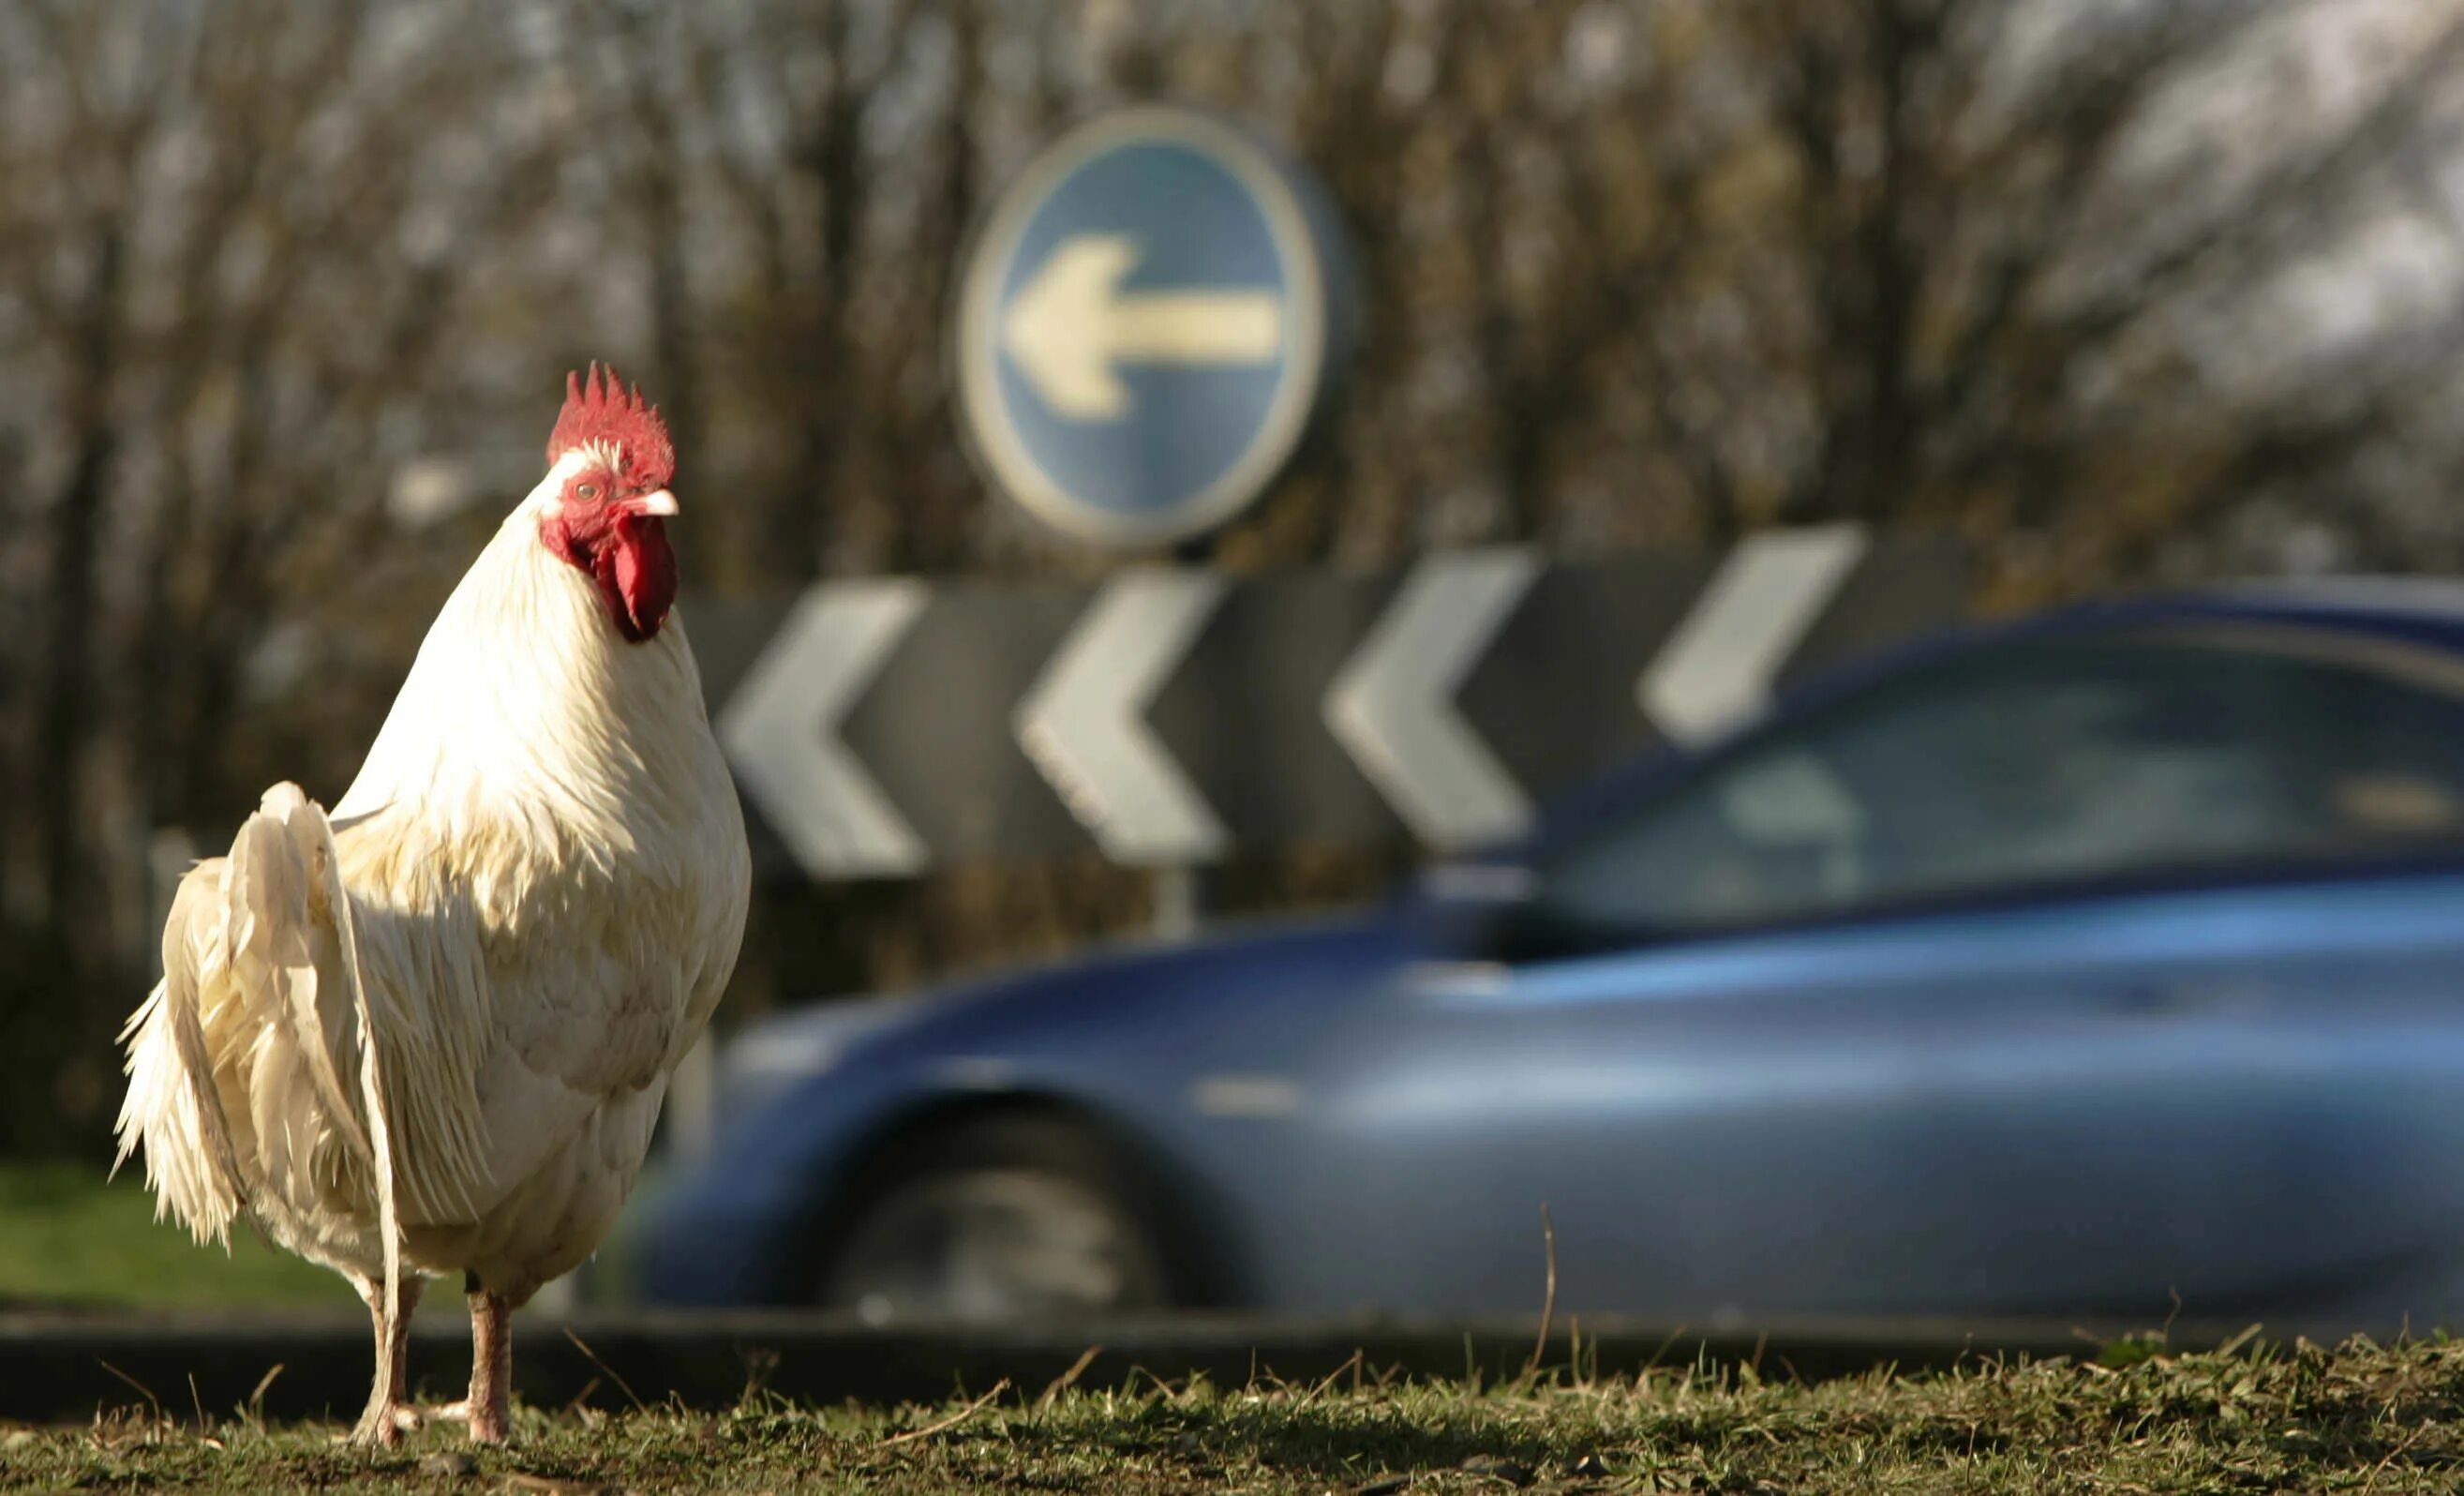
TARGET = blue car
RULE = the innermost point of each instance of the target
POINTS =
(2066, 967)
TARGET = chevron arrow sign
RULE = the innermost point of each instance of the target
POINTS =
(1169, 717)
(1394, 703)
(1085, 721)
(781, 729)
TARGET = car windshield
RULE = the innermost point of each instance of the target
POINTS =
(2033, 767)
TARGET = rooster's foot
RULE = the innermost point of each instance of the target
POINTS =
(383, 1425)
(483, 1430)
(490, 1426)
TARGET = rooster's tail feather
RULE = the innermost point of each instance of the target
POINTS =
(171, 1106)
(257, 930)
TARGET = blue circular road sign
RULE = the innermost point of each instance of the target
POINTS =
(1145, 325)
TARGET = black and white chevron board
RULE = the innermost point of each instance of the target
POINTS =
(881, 727)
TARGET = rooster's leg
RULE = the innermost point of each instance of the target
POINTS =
(492, 1365)
(388, 1407)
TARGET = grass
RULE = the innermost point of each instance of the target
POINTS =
(67, 1238)
(2358, 1419)
(2132, 1420)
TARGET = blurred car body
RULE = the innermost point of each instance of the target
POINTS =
(2069, 967)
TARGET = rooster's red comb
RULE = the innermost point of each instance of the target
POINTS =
(604, 411)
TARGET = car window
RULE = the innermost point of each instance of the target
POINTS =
(2034, 767)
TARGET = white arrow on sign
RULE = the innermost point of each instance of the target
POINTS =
(1716, 670)
(1085, 723)
(1073, 323)
(782, 729)
(1393, 703)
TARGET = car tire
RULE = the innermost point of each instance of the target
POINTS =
(1008, 1218)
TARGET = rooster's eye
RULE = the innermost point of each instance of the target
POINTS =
(589, 491)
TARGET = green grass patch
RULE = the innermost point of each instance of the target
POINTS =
(2359, 1418)
(66, 1236)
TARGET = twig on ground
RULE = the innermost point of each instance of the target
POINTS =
(2392, 1455)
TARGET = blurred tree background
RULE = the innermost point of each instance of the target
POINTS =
(2116, 291)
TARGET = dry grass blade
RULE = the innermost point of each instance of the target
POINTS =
(950, 1423)
(1325, 1384)
(607, 1371)
(147, 1392)
(2393, 1456)
(1549, 1295)
(1068, 1379)
(256, 1398)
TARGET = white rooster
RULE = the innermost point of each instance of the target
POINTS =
(430, 1035)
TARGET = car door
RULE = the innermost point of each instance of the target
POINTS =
(2065, 978)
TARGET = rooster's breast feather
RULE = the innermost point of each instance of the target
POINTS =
(514, 998)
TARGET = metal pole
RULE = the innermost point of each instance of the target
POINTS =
(1175, 903)
(692, 1101)
(169, 856)
(1179, 894)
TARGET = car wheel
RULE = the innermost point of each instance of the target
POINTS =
(1003, 1219)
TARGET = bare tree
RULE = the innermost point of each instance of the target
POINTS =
(2007, 265)
(211, 388)
(1632, 273)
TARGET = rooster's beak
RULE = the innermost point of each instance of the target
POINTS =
(661, 503)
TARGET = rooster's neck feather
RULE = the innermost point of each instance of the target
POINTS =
(524, 702)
